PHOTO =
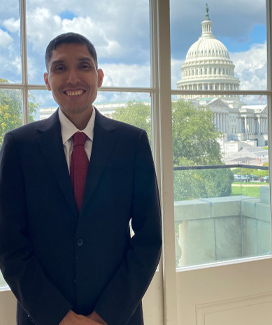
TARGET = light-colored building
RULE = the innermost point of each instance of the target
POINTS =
(208, 67)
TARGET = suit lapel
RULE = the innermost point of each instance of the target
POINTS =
(50, 142)
(103, 143)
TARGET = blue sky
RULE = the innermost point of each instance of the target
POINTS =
(67, 15)
(122, 39)
(257, 35)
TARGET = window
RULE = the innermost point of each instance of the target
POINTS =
(123, 46)
(217, 216)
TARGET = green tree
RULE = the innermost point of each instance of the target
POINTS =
(195, 142)
(135, 113)
(11, 111)
(194, 135)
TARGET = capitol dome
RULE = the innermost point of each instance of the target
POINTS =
(207, 65)
(207, 47)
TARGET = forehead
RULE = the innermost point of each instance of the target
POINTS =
(70, 52)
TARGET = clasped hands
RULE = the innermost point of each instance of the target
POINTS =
(74, 319)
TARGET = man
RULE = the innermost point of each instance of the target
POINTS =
(72, 260)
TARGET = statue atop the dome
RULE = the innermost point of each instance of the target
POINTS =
(207, 12)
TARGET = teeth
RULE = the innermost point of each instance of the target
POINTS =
(74, 93)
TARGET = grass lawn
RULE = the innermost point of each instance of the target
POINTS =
(253, 191)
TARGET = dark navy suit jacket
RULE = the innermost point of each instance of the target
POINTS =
(55, 259)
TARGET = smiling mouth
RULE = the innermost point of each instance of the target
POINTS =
(74, 92)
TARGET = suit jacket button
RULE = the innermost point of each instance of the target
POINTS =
(80, 242)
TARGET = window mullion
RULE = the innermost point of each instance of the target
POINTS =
(162, 17)
(269, 97)
(24, 60)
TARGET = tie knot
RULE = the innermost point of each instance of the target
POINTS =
(79, 139)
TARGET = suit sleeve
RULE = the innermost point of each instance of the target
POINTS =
(124, 292)
(22, 271)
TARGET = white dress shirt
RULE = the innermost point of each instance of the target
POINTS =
(68, 129)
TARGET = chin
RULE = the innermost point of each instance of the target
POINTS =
(77, 110)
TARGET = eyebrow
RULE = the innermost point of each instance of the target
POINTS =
(84, 59)
(55, 62)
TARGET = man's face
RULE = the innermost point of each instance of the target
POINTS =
(73, 78)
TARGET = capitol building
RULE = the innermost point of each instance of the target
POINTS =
(208, 67)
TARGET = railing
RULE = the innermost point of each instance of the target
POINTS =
(219, 217)
(220, 167)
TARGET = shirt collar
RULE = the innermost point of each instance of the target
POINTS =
(68, 129)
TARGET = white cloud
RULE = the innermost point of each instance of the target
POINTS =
(44, 25)
(5, 39)
(93, 31)
(122, 75)
(117, 34)
(251, 66)
(41, 25)
(17, 64)
(105, 97)
(175, 72)
(13, 25)
(103, 10)
(10, 68)
(34, 72)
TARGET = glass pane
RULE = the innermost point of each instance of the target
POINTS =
(10, 52)
(2, 281)
(223, 45)
(121, 39)
(10, 118)
(10, 110)
(221, 179)
(132, 108)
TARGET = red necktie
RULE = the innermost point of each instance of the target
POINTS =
(79, 167)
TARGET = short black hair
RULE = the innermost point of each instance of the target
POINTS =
(69, 38)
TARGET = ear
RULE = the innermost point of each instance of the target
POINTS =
(100, 74)
(45, 76)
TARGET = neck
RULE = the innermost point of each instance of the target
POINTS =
(80, 120)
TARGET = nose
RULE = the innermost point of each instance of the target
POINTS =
(72, 77)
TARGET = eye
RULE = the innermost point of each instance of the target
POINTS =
(59, 68)
(86, 66)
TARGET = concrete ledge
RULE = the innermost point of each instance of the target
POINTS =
(265, 194)
(225, 206)
(248, 208)
(190, 210)
(263, 212)
(223, 228)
